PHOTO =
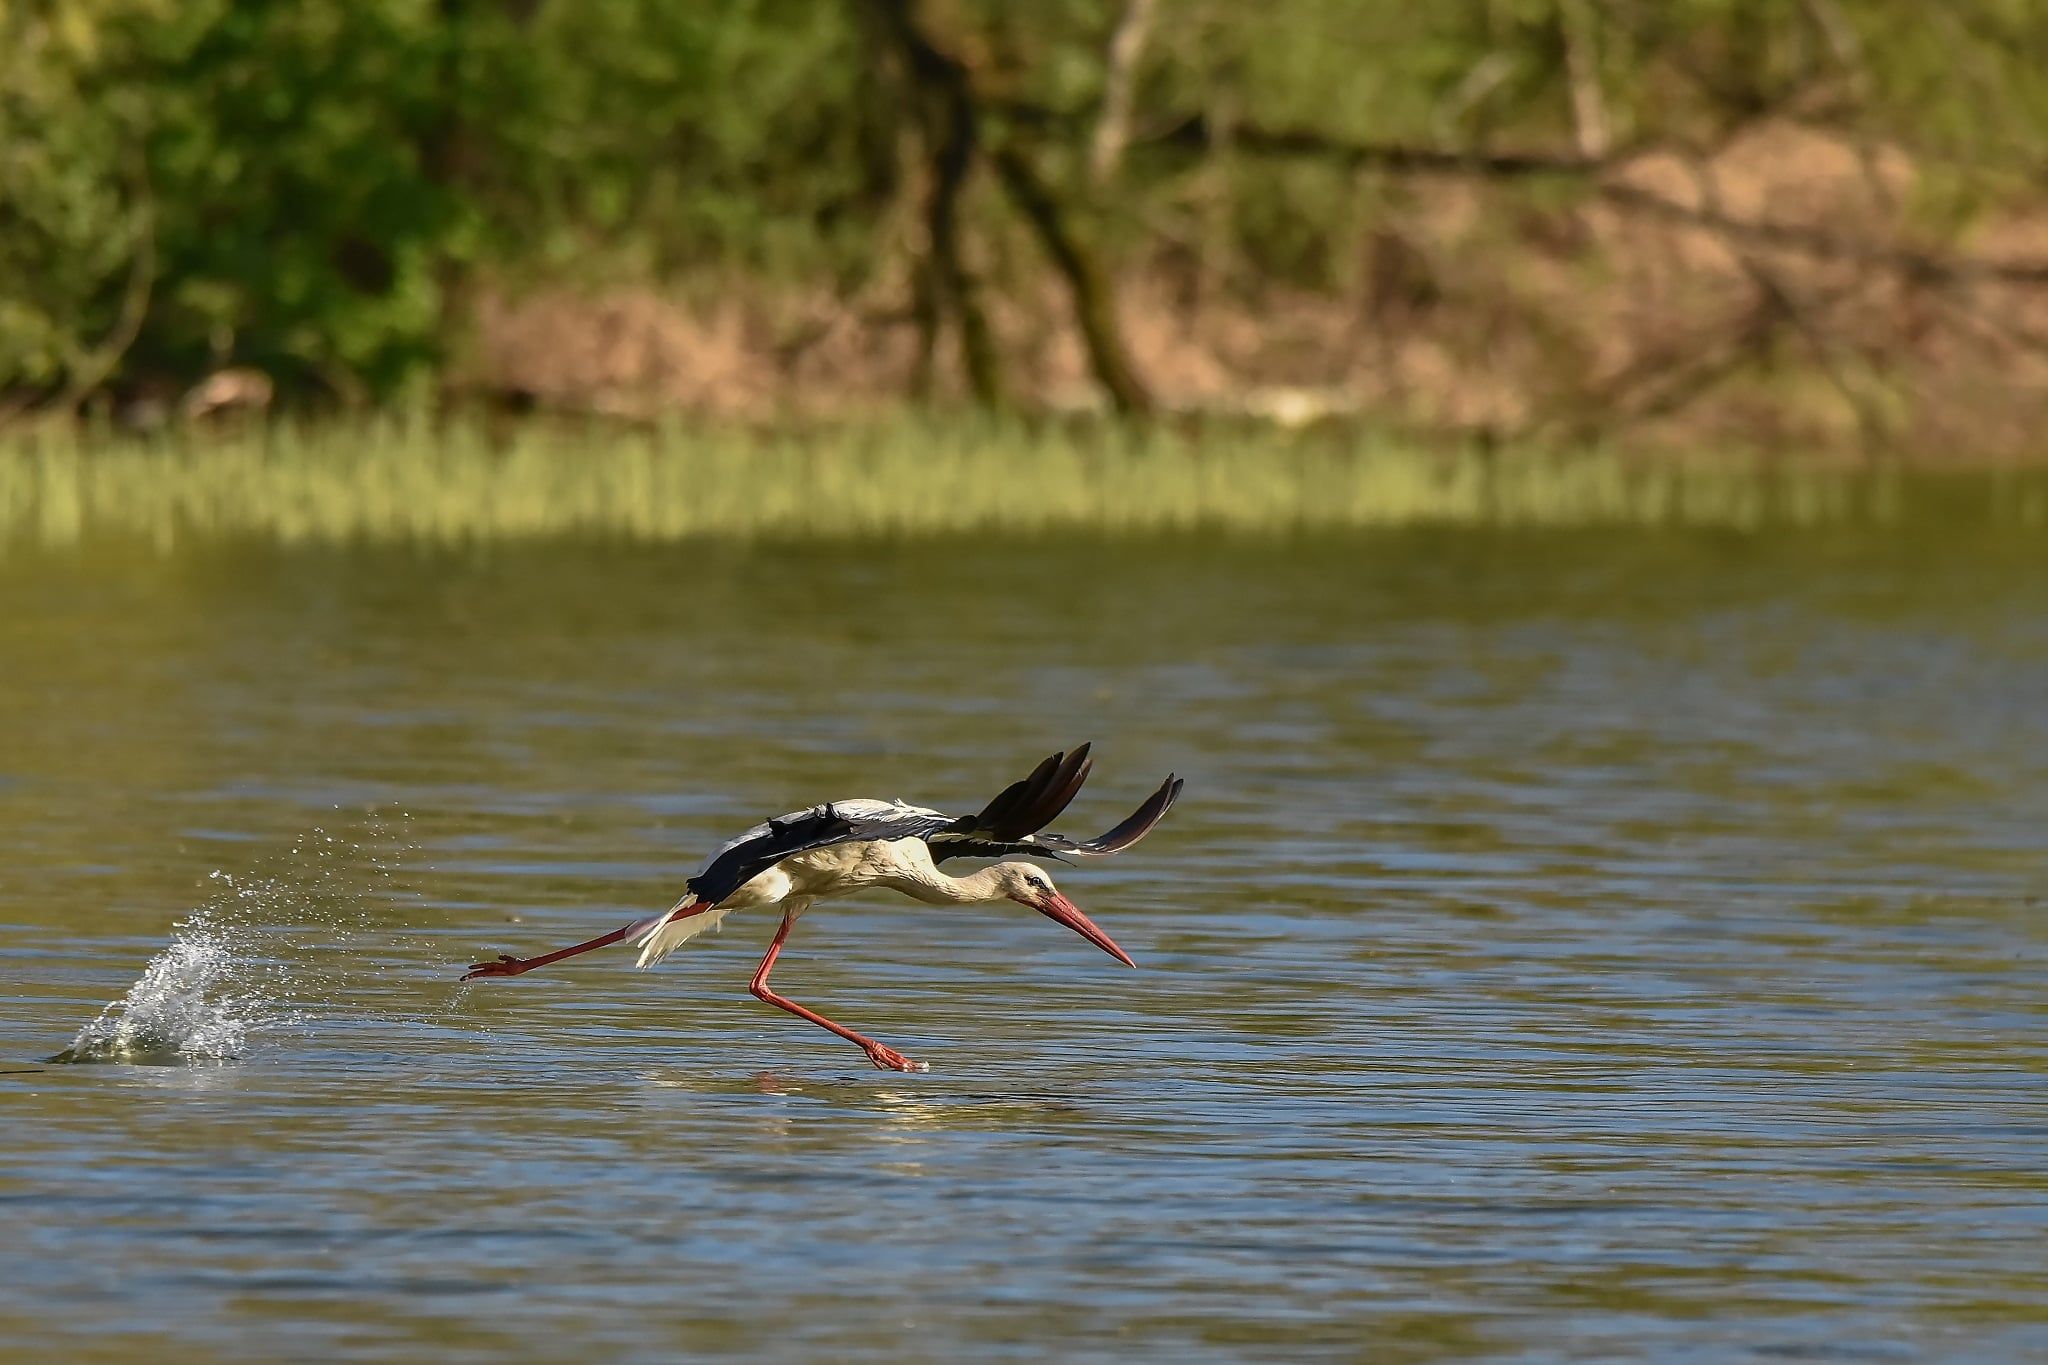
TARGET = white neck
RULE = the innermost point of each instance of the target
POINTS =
(918, 877)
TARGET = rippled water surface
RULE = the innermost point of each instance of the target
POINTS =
(1569, 946)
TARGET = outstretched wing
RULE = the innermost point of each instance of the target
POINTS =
(836, 822)
(1128, 831)
(1009, 824)
(951, 844)
(1018, 811)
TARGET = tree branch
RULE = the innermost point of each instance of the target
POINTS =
(1113, 128)
(92, 368)
(1399, 158)
(1094, 300)
(1577, 27)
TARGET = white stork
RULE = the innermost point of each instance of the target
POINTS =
(845, 846)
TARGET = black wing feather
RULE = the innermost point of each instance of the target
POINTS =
(1134, 827)
(953, 842)
(1030, 805)
(998, 813)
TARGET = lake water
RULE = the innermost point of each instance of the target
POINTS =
(1569, 946)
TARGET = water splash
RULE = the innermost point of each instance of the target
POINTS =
(250, 962)
(189, 1005)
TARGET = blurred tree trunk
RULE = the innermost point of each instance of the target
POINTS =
(1094, 299)
(949, 125)
(950, 116)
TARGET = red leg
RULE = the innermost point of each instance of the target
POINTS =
(887, 1058)
(508, 965)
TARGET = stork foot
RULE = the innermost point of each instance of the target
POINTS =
(506, 965)
(889, 1059)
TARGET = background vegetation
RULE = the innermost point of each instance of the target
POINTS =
(1809, 222)
(428, 481)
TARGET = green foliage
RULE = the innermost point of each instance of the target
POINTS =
(305, 185)
(71, 220)
(676, 135)
(265, 167)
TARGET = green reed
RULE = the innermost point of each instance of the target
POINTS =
(449, 482)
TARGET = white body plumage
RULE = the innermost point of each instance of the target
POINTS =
(902, 865)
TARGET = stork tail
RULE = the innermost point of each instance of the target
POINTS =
(689, 918)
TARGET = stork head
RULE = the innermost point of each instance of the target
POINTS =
(1028, 884)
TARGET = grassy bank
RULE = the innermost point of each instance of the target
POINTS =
(441, 483)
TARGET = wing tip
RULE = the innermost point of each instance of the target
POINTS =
(1029, 805)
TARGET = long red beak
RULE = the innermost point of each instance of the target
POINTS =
(1059, 908)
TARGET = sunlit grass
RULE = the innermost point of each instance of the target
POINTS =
(443, 482)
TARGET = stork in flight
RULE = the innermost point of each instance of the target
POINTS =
(845, 846)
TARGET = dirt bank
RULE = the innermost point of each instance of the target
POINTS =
(1795, 290)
